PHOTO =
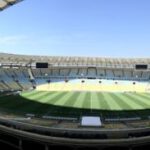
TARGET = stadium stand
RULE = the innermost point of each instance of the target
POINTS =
(18, 77)
(92, 72)
(34, 96)
(73, 73)
(27, 123)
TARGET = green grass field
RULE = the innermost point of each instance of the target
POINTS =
(65, 103)
(92, 100)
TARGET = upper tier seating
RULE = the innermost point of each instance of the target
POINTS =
(25, 78)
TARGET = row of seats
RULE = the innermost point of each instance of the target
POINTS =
(80, 72)
(14, 79)
(92, 72)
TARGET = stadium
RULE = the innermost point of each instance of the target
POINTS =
(93, 103)
(102, 101)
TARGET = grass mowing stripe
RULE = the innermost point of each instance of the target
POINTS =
(37, 106)
(136, 101)
(121, 102)
(102, 101)
(47, 97)
(29, 93)
(32, 95)
(64, 99)
(143, 102)
(60, 102)
(39, 96)
(87, 101)
(95, 101)
(146, 95)
(72, 99)
(130, 101)
(56, 98)
(24, 105)
(38, 99)
(43, 96)
(80, 99)
(36, 96)
(112, 102)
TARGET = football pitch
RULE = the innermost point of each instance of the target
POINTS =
(76, 103)
(91, 100)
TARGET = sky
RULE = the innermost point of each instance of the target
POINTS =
(103, 28)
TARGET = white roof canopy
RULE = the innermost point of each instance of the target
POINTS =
(5, 3)
(73, 61)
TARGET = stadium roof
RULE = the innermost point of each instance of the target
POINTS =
(6, 3)
(73, 61)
